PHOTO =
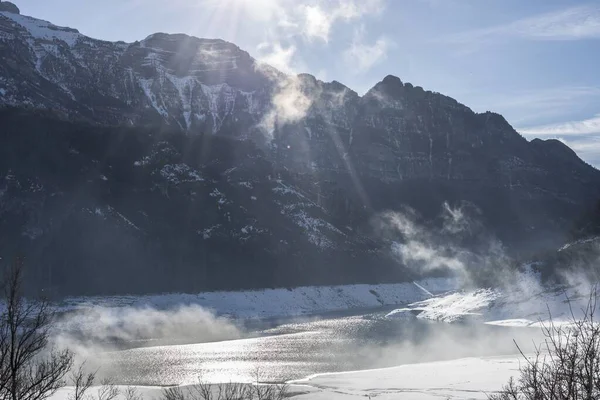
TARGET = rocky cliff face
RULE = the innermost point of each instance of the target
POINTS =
(7, 6)
(194, 84)
(185, 161)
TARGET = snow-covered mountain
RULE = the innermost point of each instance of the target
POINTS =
(185, 160)
(196, 84)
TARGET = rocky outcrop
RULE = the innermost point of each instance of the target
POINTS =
(7, 6)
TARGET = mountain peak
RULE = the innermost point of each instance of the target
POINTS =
(391, 80)
(7, 6)
(390, 86)
(308, 78)
(185, 37)
(555, 148)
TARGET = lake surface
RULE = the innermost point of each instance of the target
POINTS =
(278, 351)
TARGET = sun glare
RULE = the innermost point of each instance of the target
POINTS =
(223, 18)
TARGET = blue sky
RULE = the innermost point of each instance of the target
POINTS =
(537, 62)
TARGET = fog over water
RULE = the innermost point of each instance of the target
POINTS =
(291, 349)
(178, 344)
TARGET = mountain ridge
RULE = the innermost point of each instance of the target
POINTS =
(385, 82)
(186, 161)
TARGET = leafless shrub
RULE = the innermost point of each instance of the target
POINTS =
(226, 391)
(131, 393)
(269, 392)
(205, 391)
(82, 381)
(107, 390)
(29, 369)
(174, 393)
(565, 366)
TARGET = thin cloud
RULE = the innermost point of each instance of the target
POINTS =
(317, 23)
(591, 145)
(278, 56)
(587, 147)
(289, 23)
(585, 127)
(550, 97)
(257, 10)
(313, 21)
(583, 137)
(319, 18)
(362, 55)
(289, 104)
(286, 20)
(529, 107)
(574, 23)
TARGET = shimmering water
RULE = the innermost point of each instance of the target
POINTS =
(296, 349)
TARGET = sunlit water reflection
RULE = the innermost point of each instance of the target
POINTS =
(293, 350)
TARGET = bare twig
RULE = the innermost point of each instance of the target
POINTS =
(567, 367)
(29, 370)
(108, 390)
(81, 381)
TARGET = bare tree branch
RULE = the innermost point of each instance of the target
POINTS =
(108, 390)
(29, 370)
(567, 367)
(131, 393)
(81, 381)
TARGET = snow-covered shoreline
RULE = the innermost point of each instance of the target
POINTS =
(472, 378)
(526, 305)
(434, 299)
(268, 303)
(466, 378)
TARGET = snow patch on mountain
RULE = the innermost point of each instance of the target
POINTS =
(283, 189)
(247, 232)
(108, 211)
(254, 105)
(314, 229)
(44, 30)
(579, 242)
(303, 213)
(123, 218)
(194, 98)
(180, 173)
(247, 185)
(146, 85)
(221, 199)
(161, 152)
(208, 232)
(220, 102)
(185, 87)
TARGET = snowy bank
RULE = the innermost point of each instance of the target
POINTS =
(278, 302)
(468, 378)
(524, 305)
